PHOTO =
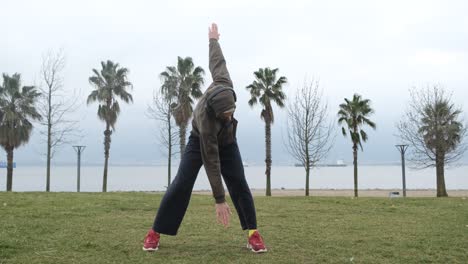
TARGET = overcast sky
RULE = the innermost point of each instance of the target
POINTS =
(379, 49)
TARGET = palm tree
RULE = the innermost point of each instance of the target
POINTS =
(354, 114)
(267, 89)
(181, 84)
(110, 83)
(442, 133)
(17, 108)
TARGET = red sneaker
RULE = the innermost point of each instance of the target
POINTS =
(256, 243)
(151, 241)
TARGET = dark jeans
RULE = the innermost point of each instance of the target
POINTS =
(175, 202)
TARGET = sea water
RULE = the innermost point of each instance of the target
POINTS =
(154, 178)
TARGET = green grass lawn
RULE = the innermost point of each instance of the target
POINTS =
(109, 228)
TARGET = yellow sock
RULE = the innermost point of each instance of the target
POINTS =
(251, 231)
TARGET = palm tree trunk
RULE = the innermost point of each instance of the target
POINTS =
(268, 156)
(169, 154)
(441, 191)
(182, 131)
(169, 168)
(49, 140)
(307, 169)
(107, 142)
(355, 170)
(9, 168)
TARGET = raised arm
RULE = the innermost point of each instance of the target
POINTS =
(217, 63)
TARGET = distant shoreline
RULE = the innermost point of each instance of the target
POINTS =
(312, 192)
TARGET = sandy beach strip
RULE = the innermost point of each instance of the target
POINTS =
(350, 192)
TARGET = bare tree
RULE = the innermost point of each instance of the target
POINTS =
(160, 110)
(433, 128)
(309, 131)
(55, 105)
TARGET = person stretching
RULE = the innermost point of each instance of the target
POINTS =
(212, 143)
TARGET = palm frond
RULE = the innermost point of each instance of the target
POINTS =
(354, 113)
(266, 88)
(17, 110)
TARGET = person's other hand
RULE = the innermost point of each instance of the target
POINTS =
(213, 32)
(223, 213)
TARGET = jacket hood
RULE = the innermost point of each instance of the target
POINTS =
(222, 102)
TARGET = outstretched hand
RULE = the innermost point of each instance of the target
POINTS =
(213, 32)
(223, 213)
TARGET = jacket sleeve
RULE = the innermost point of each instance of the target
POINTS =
(210, 157)
(217, 65)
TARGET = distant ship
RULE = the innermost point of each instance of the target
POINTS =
(4, 164)
(339, 163)
(245, 164)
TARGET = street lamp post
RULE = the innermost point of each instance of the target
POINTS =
(402, 149)
(79, 150)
